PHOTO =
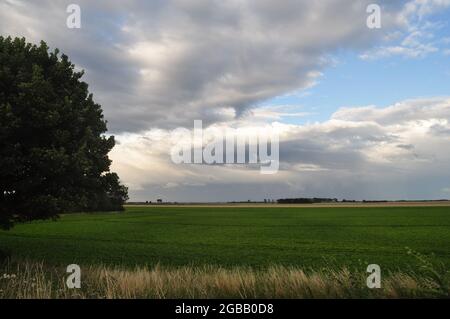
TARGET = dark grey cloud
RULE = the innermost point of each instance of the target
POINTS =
(165, 63)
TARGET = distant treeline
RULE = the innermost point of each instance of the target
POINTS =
(315, 200)
(301, 200)
(306, 200)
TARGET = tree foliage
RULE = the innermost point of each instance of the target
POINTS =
(53, 147)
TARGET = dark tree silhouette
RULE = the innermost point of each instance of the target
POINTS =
(53, 148)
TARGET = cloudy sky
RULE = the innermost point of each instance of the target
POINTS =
(362, 113)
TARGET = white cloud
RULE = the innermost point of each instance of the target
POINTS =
(396, 149)
(417, 39)
(418, 9)
(418, 51)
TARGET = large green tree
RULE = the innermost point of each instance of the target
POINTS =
(53, 147)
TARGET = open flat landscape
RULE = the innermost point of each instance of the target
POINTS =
(305, 237)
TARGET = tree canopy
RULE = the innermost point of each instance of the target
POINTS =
(53, 147)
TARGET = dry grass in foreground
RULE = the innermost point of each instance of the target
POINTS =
(36, 280)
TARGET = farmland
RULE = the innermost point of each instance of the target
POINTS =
(257, 237)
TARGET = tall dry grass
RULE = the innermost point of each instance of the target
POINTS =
(36, 280)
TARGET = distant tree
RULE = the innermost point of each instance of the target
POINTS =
(53, 151)
(306, 200)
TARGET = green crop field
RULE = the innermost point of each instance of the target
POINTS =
(238, 236)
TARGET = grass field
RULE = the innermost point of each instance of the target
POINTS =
(37, 280)
(238, 236)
